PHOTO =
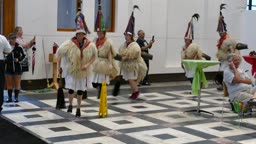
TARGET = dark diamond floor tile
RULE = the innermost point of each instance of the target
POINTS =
(221, 128)
(59, 129)
(121, 122)
(164, 136)
(32, 116)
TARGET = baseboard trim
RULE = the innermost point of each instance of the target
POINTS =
(42, 83)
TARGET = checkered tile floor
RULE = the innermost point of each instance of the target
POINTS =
(157, 117)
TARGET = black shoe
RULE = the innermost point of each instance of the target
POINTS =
(16, 100)
(78, 113)
(220, 88)
(70, 107)
(231, 105)
(146, 83)
(9, 100)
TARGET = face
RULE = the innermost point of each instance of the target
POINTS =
(236, 60)
(101, 35)
(187, 41)
(12, 41)
(80, 36)
(20, 32)
(141, 34)
(222, 34)
(128, 38)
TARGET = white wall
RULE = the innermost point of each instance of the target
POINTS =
(166, 19)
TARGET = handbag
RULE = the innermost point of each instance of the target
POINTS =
(146, 56)
(25, 63)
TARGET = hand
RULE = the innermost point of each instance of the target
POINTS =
(124, 58)
(232, 66)
(110, 67)
(84, 68)
(60, 70)
(16, 60)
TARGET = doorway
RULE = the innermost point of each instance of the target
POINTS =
(1, 16)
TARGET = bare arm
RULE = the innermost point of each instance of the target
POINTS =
(59, 64)
(237, 78)
(29, 44)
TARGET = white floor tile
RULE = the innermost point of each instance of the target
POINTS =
(72, 128)
(132, 122)
(178, 137)
(33, 116)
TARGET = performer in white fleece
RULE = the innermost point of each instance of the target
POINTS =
(105, 67)
(132, 66)
(78, 53)
(191, 50)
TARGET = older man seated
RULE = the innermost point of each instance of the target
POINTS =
(238, 83)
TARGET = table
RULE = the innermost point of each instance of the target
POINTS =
(199, 78)
(252, 61)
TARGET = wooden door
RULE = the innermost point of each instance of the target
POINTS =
(8, 16)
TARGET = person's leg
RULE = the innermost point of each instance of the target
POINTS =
(99, 90)
(79, 100)
(253, 92)
(17, 80)
(135, 91)
(70, 97)
(243, 97)
(97, 86)
(133, 85)
(9, 86)
(1, 84)
(146, 78)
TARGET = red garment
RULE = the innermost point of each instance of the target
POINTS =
(100, 42)
(251, 60)
(83, 47)
(222, 40)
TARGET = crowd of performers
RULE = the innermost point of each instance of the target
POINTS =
(85, 64)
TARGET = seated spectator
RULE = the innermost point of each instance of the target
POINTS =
(238, 83)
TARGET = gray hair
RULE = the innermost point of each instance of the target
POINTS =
(230, 56)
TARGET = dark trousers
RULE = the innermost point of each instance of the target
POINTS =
(1, 83)
(146, 78)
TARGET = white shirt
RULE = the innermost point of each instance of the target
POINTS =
(234, 88)
(4, 47)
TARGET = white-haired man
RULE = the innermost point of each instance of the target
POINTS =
(239, 84)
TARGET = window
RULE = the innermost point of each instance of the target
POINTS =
(251, 4)
(67, 10)
(108, 10)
